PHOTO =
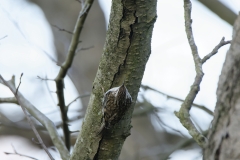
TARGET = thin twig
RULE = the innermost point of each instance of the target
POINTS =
(183, 113)
(13, 80)
(146, 109)
(8, 123)
(44, 79)
(16, 153)
(19, 83)
(74, 131)
(21, 126)
(58, 125)
(180, 145)
(66, 65)
(30, 121)
(49, 91)
(46, 122)
(178, 99)
(81, 96)
(167, 126)
(61, 29)
(3, 37)
(215, 50)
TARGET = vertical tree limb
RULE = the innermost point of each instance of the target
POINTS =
(183, 113)
(126, 51)
(66, 65)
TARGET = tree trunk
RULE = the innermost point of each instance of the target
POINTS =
(224, 137)
(126, 51)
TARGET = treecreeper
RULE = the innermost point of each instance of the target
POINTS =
(116, 102)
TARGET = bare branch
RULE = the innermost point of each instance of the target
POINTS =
(49, 91)
(61, 29)
(44, 79)
(19, 83)
(74, 42)
(81, 96)
(146, 109)
(183, 113)
(47, 123)
(215, 50)
(178, 99)
(180, 145)
(3, 37)
(16, 153)
(13, 80)
(8, 123)
(74, 131)
(66, 65)
(29, 120)
(167, 126)
(9, 100)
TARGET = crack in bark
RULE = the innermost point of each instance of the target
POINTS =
(96, 155)
(121, 35)
(218, 151)
(130, 36)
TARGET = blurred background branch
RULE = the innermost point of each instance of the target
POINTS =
(221, 10)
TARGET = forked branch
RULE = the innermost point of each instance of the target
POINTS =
(46, 122)
(66, 65)
(28, 118)
(183, 113)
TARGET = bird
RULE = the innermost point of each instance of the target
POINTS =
(116, 102)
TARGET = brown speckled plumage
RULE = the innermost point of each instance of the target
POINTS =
(116, 102)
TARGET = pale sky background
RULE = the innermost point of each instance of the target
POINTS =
(170, 68)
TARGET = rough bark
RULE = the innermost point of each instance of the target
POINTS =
(126, 51)
(224, 140)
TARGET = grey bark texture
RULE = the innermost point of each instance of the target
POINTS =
(224, 137)
(126, 51)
